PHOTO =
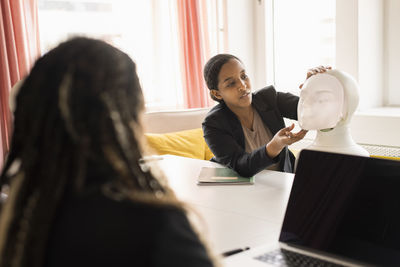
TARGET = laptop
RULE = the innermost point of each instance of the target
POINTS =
(343, 210)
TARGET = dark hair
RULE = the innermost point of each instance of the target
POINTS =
(212, 68)
(77, 116)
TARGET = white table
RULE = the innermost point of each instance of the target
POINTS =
(234, 215)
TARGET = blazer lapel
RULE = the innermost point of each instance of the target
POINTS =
(235, 126)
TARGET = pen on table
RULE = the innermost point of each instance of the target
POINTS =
(234, 251)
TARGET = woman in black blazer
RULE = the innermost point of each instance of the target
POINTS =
(225, 125)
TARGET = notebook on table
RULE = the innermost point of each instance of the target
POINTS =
(222, 176)
(343, 210)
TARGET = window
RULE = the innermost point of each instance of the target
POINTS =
(303, 37)
(145, 30)
(358, 37)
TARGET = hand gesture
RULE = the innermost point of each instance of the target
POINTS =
(282, 138)
(316, 70)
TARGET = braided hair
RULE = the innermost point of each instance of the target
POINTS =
(78, 112)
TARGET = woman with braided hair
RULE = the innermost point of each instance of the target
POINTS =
(78, 193)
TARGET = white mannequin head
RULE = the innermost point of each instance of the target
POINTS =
(327, 100)
(327, 103)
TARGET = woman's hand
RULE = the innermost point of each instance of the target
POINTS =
(316, 70)
(282, 138)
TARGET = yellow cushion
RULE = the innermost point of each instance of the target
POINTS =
(188, 143)
(385, 157)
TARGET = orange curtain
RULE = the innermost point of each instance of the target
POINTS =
(19, 47)
(192, 21)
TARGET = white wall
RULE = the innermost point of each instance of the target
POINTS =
(346, 36)
(370, 53)
(392, 55)
(376, 129)
(241, 24)
(259, 45)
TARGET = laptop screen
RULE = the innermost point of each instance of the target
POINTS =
(345, 205)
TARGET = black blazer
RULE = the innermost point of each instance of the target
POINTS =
(94, 230)
(224, 134)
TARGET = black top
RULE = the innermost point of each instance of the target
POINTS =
(94, 230)
(224, 134)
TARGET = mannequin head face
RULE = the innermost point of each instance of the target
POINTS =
(322, 103)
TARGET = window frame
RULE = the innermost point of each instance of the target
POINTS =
(377, 118)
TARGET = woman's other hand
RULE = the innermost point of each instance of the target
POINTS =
(284, 137)
(316, 70)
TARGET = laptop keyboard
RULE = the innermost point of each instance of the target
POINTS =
(283, 257)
